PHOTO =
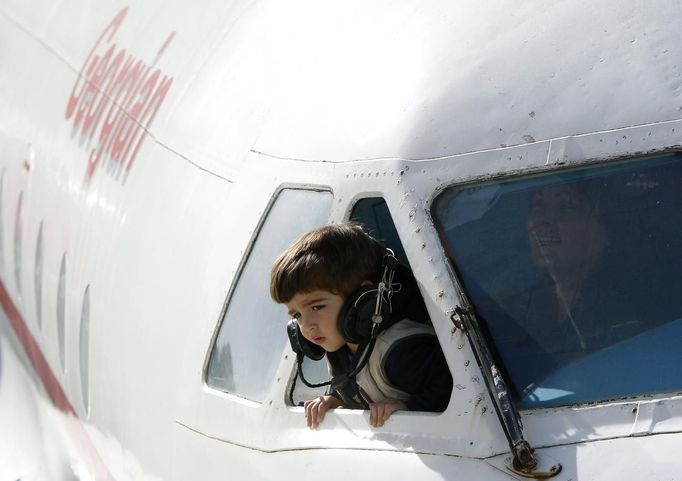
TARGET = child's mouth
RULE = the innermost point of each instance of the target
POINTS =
(319, 340)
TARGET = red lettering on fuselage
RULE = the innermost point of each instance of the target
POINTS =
(114, 101)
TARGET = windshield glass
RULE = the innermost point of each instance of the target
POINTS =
(575, 277)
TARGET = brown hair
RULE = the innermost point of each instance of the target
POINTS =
(337, 258)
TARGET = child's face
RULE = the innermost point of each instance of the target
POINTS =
(316, 313)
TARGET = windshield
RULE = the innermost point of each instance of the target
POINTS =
(575, 277)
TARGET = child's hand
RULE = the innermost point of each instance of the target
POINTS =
(315, 409)
(379, 412)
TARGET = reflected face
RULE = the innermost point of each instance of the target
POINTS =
(565, 235)
(316, 313)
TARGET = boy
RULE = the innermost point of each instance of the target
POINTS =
(406, 370)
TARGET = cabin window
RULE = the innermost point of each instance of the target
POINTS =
(84, 350)
(252, 334)
(17, 244)
(38, 277)
(61, 312)
(575, 276)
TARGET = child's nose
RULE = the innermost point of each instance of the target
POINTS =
(305, 322)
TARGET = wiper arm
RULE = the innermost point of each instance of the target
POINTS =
(524, 460)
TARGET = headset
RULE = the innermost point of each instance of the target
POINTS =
(302, 346)
(360, 320)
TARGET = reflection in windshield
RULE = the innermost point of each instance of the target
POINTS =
(573, 269)
(567, 241)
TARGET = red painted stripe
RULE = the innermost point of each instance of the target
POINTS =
(35, 355)
(53, 388)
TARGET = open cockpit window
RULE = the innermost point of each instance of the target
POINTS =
(575, 276)
(250, 342)
(373, 214)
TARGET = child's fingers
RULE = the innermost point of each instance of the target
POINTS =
(320, 409)
(379, 412)
(314, 419)
(308, 413)
(376, 414)
(314, 411)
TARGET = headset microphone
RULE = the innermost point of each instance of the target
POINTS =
(302, 347)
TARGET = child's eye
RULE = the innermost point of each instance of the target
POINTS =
(317, 307)
(296, 316)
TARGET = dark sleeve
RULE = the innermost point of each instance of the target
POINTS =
(417, 366)
(333, 393)
(343, 388)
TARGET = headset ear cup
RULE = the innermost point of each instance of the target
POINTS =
(355, 318)
(301, 345)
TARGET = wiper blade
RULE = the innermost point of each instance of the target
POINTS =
(523, 458)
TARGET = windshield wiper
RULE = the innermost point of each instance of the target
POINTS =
(524, 461)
